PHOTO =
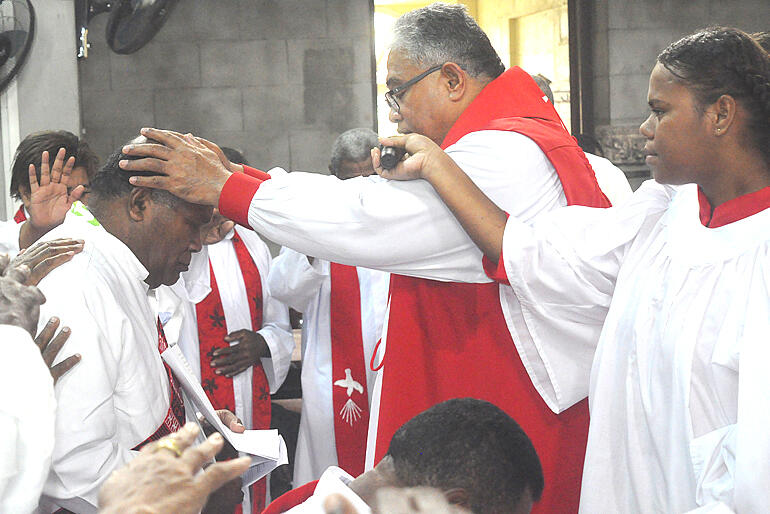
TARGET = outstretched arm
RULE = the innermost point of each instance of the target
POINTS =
(480, 217)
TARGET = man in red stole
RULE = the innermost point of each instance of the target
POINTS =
(446, 335)
(241, 344)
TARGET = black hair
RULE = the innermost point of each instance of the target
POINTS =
(724, 61)
(30, 151)
(440, 33)
(111, 181)
(235, 156)
(470, 444)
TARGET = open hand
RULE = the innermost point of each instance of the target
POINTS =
(50, 199)
(159, 481)
(187, 168)
(237, 358)
(43, 257)
(50, 348)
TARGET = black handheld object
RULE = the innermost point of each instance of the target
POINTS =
(390, 155)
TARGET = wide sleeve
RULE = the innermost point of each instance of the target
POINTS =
(731, 464)
(294, 281)
(562, 271)
(394, 226)
(276, 328)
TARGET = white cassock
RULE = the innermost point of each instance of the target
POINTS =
(9, 237)
(182, 327)
(118, 394)
(307, 288)
(670, 320)
(612, 181)
(27, 413)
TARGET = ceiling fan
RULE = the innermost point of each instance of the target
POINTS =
(132, 23)
(17, 30)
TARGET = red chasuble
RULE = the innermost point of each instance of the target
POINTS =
(449, 340)
(212, 329)
(350, 397)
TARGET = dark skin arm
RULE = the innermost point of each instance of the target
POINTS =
(231, 360)
(480, 217)
(50, 346)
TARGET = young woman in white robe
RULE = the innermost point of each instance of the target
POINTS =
(658, 309)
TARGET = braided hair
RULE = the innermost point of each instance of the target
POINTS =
(724, 61)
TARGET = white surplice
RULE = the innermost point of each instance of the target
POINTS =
(9, 237)
(118, 394)
(612, 181)
(194, 286)
(27, 411)
(307, 288)
(670, 320)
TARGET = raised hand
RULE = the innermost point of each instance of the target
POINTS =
(50, 348)
(187, 168)
(43, 257)
(49, 199)
(231, 360)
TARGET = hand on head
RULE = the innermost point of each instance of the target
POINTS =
(188, 167)
(167, 477)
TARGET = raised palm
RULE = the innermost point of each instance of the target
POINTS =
(49, 199)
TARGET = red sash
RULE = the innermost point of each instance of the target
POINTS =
(20, 217)
(212, 329)
(349, 394)
(449, 340)
(175, 417)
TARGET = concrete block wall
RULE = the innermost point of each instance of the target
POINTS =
(628, 35)
(276, 79)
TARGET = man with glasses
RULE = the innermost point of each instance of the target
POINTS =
(445, 335)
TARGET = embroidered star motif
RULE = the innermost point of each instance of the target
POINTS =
(257, 303)
(263, 393)
(210, 353)
(210, 385)
(217, 319)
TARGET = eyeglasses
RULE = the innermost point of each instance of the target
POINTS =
(390, 96)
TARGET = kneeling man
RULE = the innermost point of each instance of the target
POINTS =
(122, 395)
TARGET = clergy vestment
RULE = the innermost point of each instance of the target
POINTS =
(219, 305)
(308, 288)
(119, 394)
(664, 322)
(27, 411)
(443, 338)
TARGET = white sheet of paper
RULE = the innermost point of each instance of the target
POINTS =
(266, 447)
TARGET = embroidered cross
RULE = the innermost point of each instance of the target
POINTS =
(257, 303)
(217, 319)
(263, 393)
(210, 385)
(210, 353)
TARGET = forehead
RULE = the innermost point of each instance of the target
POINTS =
(196, 214)
(400, 68)
(664, 85)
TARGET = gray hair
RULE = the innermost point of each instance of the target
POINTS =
(352, 145)
(442, 33)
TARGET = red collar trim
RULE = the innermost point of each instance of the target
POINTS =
(512, 94)
(733, 210)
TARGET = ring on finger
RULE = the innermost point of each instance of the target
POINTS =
(170, 444)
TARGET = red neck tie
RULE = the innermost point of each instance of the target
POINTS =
(349, 394)
(175, 417)
(20, 217)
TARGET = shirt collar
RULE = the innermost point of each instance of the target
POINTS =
(732, 210)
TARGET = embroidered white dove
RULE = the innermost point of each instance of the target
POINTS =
(349, 383)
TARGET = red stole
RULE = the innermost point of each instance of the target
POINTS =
(20, 217)
(449, 340)
(291, 499)
(350, 397)
(212, 329)
(175, 417)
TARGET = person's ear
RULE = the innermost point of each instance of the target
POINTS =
(724, 110)
(458, 496)
(24, 194)
(139, 203)
(455, 80)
